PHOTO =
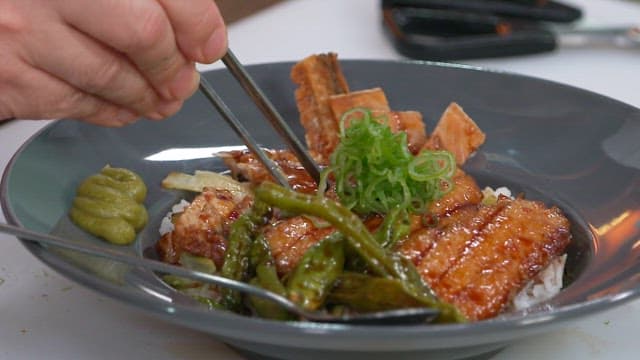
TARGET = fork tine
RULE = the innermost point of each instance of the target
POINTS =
(236, 125)
(272, 115)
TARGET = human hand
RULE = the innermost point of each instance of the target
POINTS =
(108, 62)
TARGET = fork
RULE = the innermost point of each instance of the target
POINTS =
(405, 316)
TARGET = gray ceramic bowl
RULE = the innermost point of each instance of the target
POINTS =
(555, 143)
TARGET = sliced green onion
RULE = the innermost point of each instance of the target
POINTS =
(374, 171)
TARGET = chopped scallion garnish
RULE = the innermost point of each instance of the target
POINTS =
(374, 171)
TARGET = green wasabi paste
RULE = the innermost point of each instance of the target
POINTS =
(109, 205)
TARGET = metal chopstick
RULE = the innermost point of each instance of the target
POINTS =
(249, 141)
(270, 112)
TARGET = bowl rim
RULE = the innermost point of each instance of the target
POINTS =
(306, 333)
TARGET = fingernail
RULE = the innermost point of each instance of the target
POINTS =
(215, 46)
(155, 116)
(126, 116)
(185, 83)
(165, 110)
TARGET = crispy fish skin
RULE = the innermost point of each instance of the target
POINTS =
(417, 244)
(201, 229)
(502, 255)
(318, 77)
(445, 220)
(451, 239)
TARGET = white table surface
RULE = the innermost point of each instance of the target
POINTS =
(46, 316)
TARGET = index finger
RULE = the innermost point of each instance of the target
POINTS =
(142, 31)
(199, 29)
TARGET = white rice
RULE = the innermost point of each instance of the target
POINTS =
(166, 226)
(490, 195)
(544, 286)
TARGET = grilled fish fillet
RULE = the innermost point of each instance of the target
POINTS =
(465, 196)
(290, 238)
(323, 96)
(373, 100)
(457, 133)
(201, 229)
(412, 124)
(318, 78)
(244, 165)
(478, 257)
(376, 102)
